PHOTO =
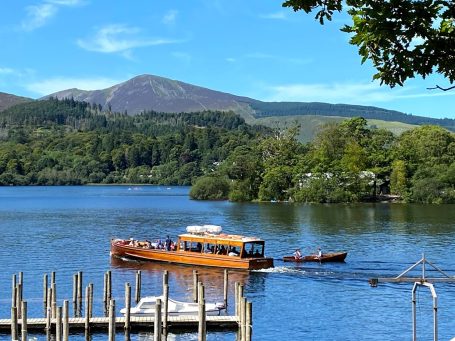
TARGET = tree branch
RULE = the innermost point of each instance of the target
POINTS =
(441, 88)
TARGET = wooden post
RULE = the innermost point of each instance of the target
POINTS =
(225, 288)
(52, 277)
(127, 306)
(90, 305)
(87, 310)
(165, 307)
(24, 321)
(157, 324)
(236, 298)
(19, 300)
(243, 318)
(195, 285)
(111, 320)
(138, 285)
(79, 292)
(58, 324)
(249, 321)
(165, 278)
(13, 292)
(202, 326)
(45, 291)
(54, 299)
(66, 326)
(49, 310)
(14, 327)
(109, 285)
(75, 292)
(105, 292)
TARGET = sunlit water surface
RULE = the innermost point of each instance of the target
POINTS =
(67, 229)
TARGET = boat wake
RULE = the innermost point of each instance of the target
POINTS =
(279, 269)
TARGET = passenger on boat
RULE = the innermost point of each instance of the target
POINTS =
(131, 243)
(233, 252)
(167, 243)
(319, 252)
(297, 254)
(222, 250)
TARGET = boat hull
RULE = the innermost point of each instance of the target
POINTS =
(328, 257)
(119, 248)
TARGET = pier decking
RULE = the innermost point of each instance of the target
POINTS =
(136, 323)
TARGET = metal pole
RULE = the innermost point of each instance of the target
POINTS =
(414, 318)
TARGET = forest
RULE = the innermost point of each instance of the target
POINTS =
(64, 142)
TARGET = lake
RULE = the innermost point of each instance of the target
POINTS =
(67, 229)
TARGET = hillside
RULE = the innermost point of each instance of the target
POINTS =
(8, 100)
(148, 92)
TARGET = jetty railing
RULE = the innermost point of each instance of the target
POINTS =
(57, 320)
(423, 281)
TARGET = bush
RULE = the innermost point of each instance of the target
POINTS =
(210, 188)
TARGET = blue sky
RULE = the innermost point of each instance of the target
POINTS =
(251, 48)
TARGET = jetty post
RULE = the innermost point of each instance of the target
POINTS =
(58, 324)
(111, 336)
(225, 288)
(45, 291)
(24, 321)
(138, 285)
(166, 300)
(14, 326)
(87, 310)
(249, 321)
(13, 291)
(157, 322)
(65, 318)
(195, 285)
(79, 293)
(202, 326)
(127, 306)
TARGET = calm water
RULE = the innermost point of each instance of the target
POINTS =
(67, 229)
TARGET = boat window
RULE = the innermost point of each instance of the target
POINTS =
(221, 249)
(209, 248)
(253, 249)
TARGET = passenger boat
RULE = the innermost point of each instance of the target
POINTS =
(147, 306)
(326, 257)
(201, 245)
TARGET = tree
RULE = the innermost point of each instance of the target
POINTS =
(402, 38)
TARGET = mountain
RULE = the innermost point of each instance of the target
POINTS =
(8, 100)
(147, 92)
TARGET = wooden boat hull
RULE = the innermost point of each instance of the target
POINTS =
(121, 250)
(327, 257)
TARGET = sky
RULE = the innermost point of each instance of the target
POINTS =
(251, 48)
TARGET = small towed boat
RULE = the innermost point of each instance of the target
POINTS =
(326, 257)
(146, 307)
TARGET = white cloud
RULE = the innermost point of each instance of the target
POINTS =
(170, 17)
(119, 38)
(348, 93)
(39, 15)
(231, 60)
(6, 70)
(51, 85)
(274, 16)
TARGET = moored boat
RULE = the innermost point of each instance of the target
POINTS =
(201, 245)
(147, 306)
(326, 257)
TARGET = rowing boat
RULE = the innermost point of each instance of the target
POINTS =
(326, 257)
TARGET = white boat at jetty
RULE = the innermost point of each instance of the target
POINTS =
(146, 307)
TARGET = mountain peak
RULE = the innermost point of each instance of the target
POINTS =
(150, 92)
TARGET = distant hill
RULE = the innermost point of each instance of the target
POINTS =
(148, 92)
(8, 100)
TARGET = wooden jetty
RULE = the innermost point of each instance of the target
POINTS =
(57, 319)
